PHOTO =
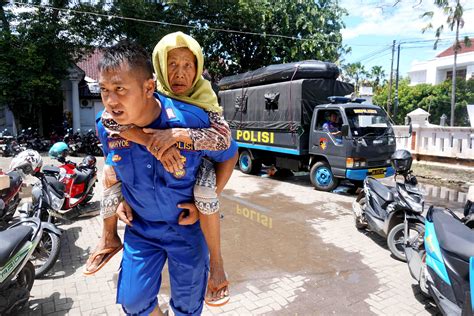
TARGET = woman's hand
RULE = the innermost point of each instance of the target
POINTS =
(171, 160)
(161, 140)
(190, 215)
(124, 213)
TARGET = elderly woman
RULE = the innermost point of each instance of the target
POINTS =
(178, 63)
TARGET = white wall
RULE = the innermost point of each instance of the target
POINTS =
(437, 68)
(438, 141)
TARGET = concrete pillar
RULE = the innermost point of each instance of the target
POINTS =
(76, 110)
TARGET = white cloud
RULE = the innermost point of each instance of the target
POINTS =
(400, 21)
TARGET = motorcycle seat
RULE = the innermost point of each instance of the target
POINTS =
(51, 170)
(11, 240)
(453, 235)
(380, 190)
(82, 174)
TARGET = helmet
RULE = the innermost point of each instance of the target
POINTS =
(29, 161)
(89, 161)
(401, 161)
(58, 150)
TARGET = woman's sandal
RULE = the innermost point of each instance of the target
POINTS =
(221, 301)
(107, 253)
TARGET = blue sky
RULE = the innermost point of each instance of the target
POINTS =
(372, 25)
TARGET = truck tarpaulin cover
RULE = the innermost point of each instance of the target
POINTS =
(282, 106)
(281, 72)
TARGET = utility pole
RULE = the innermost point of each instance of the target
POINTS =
(396, 84)
(389, 102)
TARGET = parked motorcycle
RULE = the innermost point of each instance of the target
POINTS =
(384, 210)
(91, 144)
(17, 274)
(78, 179)
(47, 250)
(10, 188)
(442, 260)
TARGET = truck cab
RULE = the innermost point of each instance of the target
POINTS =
(349, 140)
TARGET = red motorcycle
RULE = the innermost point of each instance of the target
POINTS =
(11, 183)
(79, 180)
(10, 187)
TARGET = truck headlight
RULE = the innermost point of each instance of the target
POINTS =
(355, 162)
(391, 140)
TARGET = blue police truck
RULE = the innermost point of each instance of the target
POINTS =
(286, 115)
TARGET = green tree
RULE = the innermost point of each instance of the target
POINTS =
(377, 75)
(354, 73)
(37, 47)
(434, 99)
(454, 20)
(311, 30)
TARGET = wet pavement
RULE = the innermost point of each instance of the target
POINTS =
(288, 250)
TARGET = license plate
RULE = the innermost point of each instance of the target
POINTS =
(377, 172)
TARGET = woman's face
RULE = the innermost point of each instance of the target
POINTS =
(181, 69)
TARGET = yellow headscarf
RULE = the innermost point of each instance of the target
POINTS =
(201, 94)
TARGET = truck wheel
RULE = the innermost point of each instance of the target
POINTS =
(247, 164)
(322, 178)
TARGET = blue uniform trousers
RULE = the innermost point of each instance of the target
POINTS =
(147, 245)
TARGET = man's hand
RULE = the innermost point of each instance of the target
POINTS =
(171, 160)
(190, 215)
(124, 213)
(161, 140)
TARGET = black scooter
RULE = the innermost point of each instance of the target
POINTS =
(17, 274)
(384, 210)
(442, 260)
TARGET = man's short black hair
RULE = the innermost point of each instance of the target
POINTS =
(126, 52)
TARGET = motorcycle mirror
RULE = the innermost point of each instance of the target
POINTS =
(345, 130)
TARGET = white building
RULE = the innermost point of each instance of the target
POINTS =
(440, 68)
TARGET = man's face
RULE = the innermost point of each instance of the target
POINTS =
(124, 94)
(181, 70)
(334, 118)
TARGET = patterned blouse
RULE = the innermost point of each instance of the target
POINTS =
(216, 137)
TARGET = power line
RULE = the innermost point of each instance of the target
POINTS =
(179, 25)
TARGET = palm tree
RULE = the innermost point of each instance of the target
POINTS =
(454, 12)
(354, 72)
(378, 73)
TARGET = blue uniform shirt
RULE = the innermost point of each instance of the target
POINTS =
(151, 191)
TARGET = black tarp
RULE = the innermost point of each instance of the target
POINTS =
(294, 108)
(306, 69)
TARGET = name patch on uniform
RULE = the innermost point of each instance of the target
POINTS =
(170, 113)
(185, 146)
(118, 143)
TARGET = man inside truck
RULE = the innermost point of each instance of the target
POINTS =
(332, 126)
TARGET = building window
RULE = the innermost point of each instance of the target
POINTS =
(460, 74)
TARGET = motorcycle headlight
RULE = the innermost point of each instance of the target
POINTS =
(56, 202)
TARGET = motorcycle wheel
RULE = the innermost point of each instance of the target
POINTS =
(26, 277)
(359, 221)
(14, 298)
(46, 253)
(396, 237)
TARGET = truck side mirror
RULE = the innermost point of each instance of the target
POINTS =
(345, 130)
(410, 129)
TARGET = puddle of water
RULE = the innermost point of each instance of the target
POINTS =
(453, 198)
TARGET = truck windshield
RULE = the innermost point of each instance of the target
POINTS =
(364, 121)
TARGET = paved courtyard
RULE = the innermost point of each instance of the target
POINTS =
(288, 250)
